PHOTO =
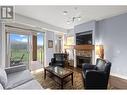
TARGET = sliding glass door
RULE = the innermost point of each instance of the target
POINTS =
(18, 49)
(25, 48)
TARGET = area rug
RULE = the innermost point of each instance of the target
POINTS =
(49, 83)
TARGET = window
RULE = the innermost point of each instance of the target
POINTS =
(70, 40)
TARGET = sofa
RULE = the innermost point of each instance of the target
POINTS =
(59, 59)
(16, 78)
(96, 76)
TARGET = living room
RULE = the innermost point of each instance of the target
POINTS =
(33, 41)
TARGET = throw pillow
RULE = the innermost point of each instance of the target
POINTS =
(3, 77)
(1, 87)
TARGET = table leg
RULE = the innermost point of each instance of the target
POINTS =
(44, 73)
(72, 78)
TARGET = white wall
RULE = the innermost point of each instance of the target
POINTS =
(70, 32)
(49, 51)
(113, 35)
(0, 42)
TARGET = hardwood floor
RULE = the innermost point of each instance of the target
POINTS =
(51, 84)
(114, 82)
(117, 83)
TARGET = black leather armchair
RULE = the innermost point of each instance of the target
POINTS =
(96, 76)
(59, 59)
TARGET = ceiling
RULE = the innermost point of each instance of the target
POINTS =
(54, 14)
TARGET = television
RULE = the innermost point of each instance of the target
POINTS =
(84, 38)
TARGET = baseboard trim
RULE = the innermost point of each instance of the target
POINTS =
(119, 75)
(117, 82)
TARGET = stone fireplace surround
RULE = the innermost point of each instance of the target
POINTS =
(83, 54)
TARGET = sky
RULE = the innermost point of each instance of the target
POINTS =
(24, 38)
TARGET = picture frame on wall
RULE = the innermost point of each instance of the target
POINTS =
(50, 44)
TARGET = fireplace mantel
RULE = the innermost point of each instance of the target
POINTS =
(84, 47)
(83, 54)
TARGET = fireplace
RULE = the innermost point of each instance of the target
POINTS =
(81, 59)
(84, 48)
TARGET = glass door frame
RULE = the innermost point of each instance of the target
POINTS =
(30, 33)
(8, 47)
(43, 48)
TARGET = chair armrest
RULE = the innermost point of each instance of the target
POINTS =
(15, 69)
(87, 66)
(52, 60)
(50, 63)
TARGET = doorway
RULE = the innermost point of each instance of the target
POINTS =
(58, 46)
(17, 49)
(38, 52)
(22, 45)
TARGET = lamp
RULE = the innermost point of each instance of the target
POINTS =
(99, 51)
(73, 19)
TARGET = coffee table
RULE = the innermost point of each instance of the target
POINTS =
(62, 75)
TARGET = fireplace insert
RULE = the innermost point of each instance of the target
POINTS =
(82, 59)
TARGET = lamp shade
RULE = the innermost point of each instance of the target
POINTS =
(99, 51)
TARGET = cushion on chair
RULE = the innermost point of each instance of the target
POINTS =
(1, 87)
(31, 85)
(3, 77)
(18, 78)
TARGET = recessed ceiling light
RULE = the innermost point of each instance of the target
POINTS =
(65, 12)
